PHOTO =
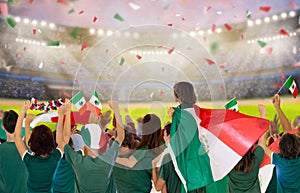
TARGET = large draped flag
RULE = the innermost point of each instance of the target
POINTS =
(225, 136)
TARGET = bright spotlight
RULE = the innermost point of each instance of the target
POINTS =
(43, 23)
(109, 33)
(34, 22)
(17, 39)
(258, 21)
(192, 33)
(292, 14)
(250, 23)
(136, 35)
(201, 32)
(209, 31)
(219, 30)
(275, 17)
(17, 19)
(283, 15)
(92, 31)
(100, 32)
(266, 19)
(26, 20)
(51, 25)
(127, 34)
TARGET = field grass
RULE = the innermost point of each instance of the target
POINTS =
(290, 106)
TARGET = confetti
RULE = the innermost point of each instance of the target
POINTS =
(248, 14)
(283, 32)
(214, 47)
(106, 51)
(228, 27)
(61, 62)
(122, 61)
(182, 18)
(71, 11)
(85, 45)
(138, 57)
(242, 36)
(11, 21)
(213, 28)
(134, 6)
(58, 34)
(24, 49)
(170, 24)
(34, 31)
(161, 92)
(118, 17)
(293, 4)
(265, 8)
(95, 19)
(261, 43)
(17, 55)
(171, 50)
(30, 1)
(81, 12)
(268, 50)
(222, 67)
(204, 39)
(65, 2)
(152, 94)
(209, 7)
(74, 32)
(162, 69)
(209, 61)
(283, 75)
(53, 43)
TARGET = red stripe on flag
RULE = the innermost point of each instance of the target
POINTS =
(236, 130)
(295, 93)
(93, 109)
(76, 118)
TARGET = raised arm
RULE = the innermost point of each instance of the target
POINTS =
(29, 118)
(286, 125)
(159, 183)
(120, 128)
(18, 139)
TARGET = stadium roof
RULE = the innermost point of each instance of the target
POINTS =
(184, 14)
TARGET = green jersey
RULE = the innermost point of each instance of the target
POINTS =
(41, 171)
(93, 174)
(13, 176)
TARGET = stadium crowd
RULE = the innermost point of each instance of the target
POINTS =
(134, 158)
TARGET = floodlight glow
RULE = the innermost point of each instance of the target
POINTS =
(92, 31)
(17, 19)
(192, 33)
(34, 22)
(292, 14)
(283, 15)
(258, 21)
(43, 23)
(100, 32)
(109, 33)
(219, 30)
(51, 25)
(275, 17)
(267, 19)
(201, 32)
(26, 20)
(250, 23)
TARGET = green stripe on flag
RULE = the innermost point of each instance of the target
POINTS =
(96, 94)
(86, 136)
(77, 98)
(231, 103)
(289, 82)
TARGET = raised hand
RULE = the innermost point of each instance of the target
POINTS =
(276, 101)
(26, 106)
(29, 119)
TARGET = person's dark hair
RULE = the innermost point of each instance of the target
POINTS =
(9, 121)
(41, 141)
(185, 92)
(151, 133)
(167, 128)
(127, 142)
(246, 163)
(289, 146)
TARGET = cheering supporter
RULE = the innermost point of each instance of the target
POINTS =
(139, 163)
(42, 162)
(93, 173)
(13, 175)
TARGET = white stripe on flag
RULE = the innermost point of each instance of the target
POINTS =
(265, 175)
(95, 132)
(46, 117)
(216, 150)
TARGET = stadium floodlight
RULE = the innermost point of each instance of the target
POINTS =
(38, 43)
(25, 41)
(219, 30)
(17, 19)
(29, 41)
(21, 40)
(26, 20)
(41, 65)
(250, 23)
(33, 42)
(109, 33)
(100, 32)
(43, 23)
(209, 31)
(174, 35)
(148, 52)
(92, 31)
(258, 21)
(248, 41)
(192, 33)
(275, 17)
(292, 13)
(283, 15)
(201, 32)
(161, 52)
(127, 34)
(267, 19)
(17, 39)
(52, 25)
(152, 52)
(136, 35)
(34, 22)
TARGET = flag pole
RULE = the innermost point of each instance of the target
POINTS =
(282, 85)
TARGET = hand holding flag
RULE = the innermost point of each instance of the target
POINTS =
(290, 83)
(94, 104)
(79, 102)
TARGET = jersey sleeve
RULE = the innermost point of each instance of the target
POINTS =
(72, 156)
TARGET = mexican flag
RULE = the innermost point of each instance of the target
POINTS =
(94, 104)
(79, 102)
(225, 135)
(93, 136)
(290, 83)
(232, 105)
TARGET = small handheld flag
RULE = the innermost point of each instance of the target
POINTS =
(290, 83)
(232, 105)
(79, 102)
(94, 104)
